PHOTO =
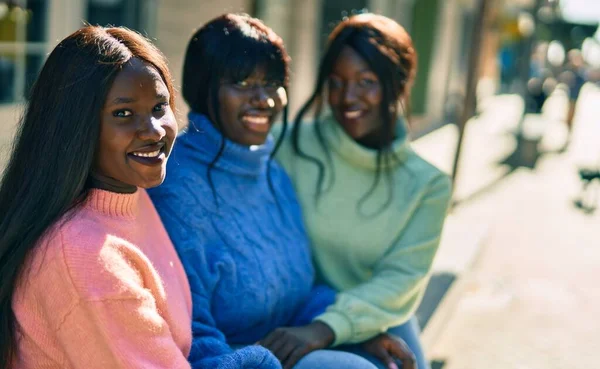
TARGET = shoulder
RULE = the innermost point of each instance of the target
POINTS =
(82, 257)
(426, 176)
(306, 140)
(184, 183)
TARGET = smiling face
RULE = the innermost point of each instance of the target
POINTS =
(248, 108)
(138, 129)
(355, 96)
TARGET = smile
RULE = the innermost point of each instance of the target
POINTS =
(353, 114)
(152, 154)
(257, 123)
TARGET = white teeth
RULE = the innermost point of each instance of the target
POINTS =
(353, 114)
(256, 120)
(152, 154)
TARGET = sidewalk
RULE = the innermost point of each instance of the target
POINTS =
(530, 298)
(487, 142)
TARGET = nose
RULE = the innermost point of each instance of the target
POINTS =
(350, 94)
(151, 129)
(262, 99)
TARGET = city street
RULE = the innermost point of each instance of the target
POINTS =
(528, 296)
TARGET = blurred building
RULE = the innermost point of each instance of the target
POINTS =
(29, 29)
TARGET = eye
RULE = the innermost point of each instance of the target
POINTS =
(242, 84)
(335, 83)
(273, 85)
(161, 107)
(367, 82)
(123, 113)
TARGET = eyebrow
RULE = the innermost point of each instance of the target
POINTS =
(128, 100)
(366, 70)
(123, 100)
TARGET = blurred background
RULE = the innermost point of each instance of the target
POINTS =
(506, 101)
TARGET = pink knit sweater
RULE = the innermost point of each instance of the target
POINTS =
(105, 289)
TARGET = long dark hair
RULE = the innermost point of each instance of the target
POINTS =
(388, 50)
(54, 149)
(230, 48)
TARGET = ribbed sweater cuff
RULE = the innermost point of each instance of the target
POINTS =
(339, 324)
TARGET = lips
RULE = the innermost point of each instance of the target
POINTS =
(257, 121)
(353, 113)
(151, 155)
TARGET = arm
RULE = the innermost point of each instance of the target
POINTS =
(119, 333)
(316, 303)
(103, 300)
(191, 231)
(399, 279)
(209, 345)
(127, 330)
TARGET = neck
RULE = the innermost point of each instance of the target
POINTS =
(374, 140)
(102, 182)
(206, 140)
(360, 154)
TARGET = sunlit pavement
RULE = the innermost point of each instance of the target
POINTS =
(528, 296)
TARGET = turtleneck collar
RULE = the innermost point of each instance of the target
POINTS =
(113, 203)
(362, 156)
(205, 141)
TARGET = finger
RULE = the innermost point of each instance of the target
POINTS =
(400, 350)
(382, 354)
(408, 361)
(295, 356)
(270, 339)
(277, 348)
(285, 352)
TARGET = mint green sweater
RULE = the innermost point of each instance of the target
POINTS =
(379, 255)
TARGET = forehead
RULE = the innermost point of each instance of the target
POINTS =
(137, 75)
(349, 61)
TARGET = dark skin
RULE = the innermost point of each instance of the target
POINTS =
(389, 349)
(355, 97)
(290, 344)
(248, 108)
(137, 131)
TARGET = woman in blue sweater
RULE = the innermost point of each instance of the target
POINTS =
(232, 212)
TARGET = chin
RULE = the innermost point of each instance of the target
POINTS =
(354, 132)
(153, 182)
(256, 141)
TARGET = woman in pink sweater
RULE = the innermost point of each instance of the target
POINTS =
(88, 275)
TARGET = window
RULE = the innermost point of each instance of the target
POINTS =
(332, 13)
(138, 15)
(22, 46)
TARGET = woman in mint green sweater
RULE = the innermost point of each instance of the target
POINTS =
(373, 208)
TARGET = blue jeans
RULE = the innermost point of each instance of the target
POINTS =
(410, 333)
(332, 359)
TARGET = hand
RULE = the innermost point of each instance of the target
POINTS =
(387, 348)
(290, 344)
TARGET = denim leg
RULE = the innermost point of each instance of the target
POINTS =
(409, 332)
(332, 359)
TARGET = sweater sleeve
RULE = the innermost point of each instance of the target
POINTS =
(399, 279)
(316, 303)
(188, 231)
(209, 346)
(100, 298)
(119, 333)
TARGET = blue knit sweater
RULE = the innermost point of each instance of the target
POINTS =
(247, 258)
